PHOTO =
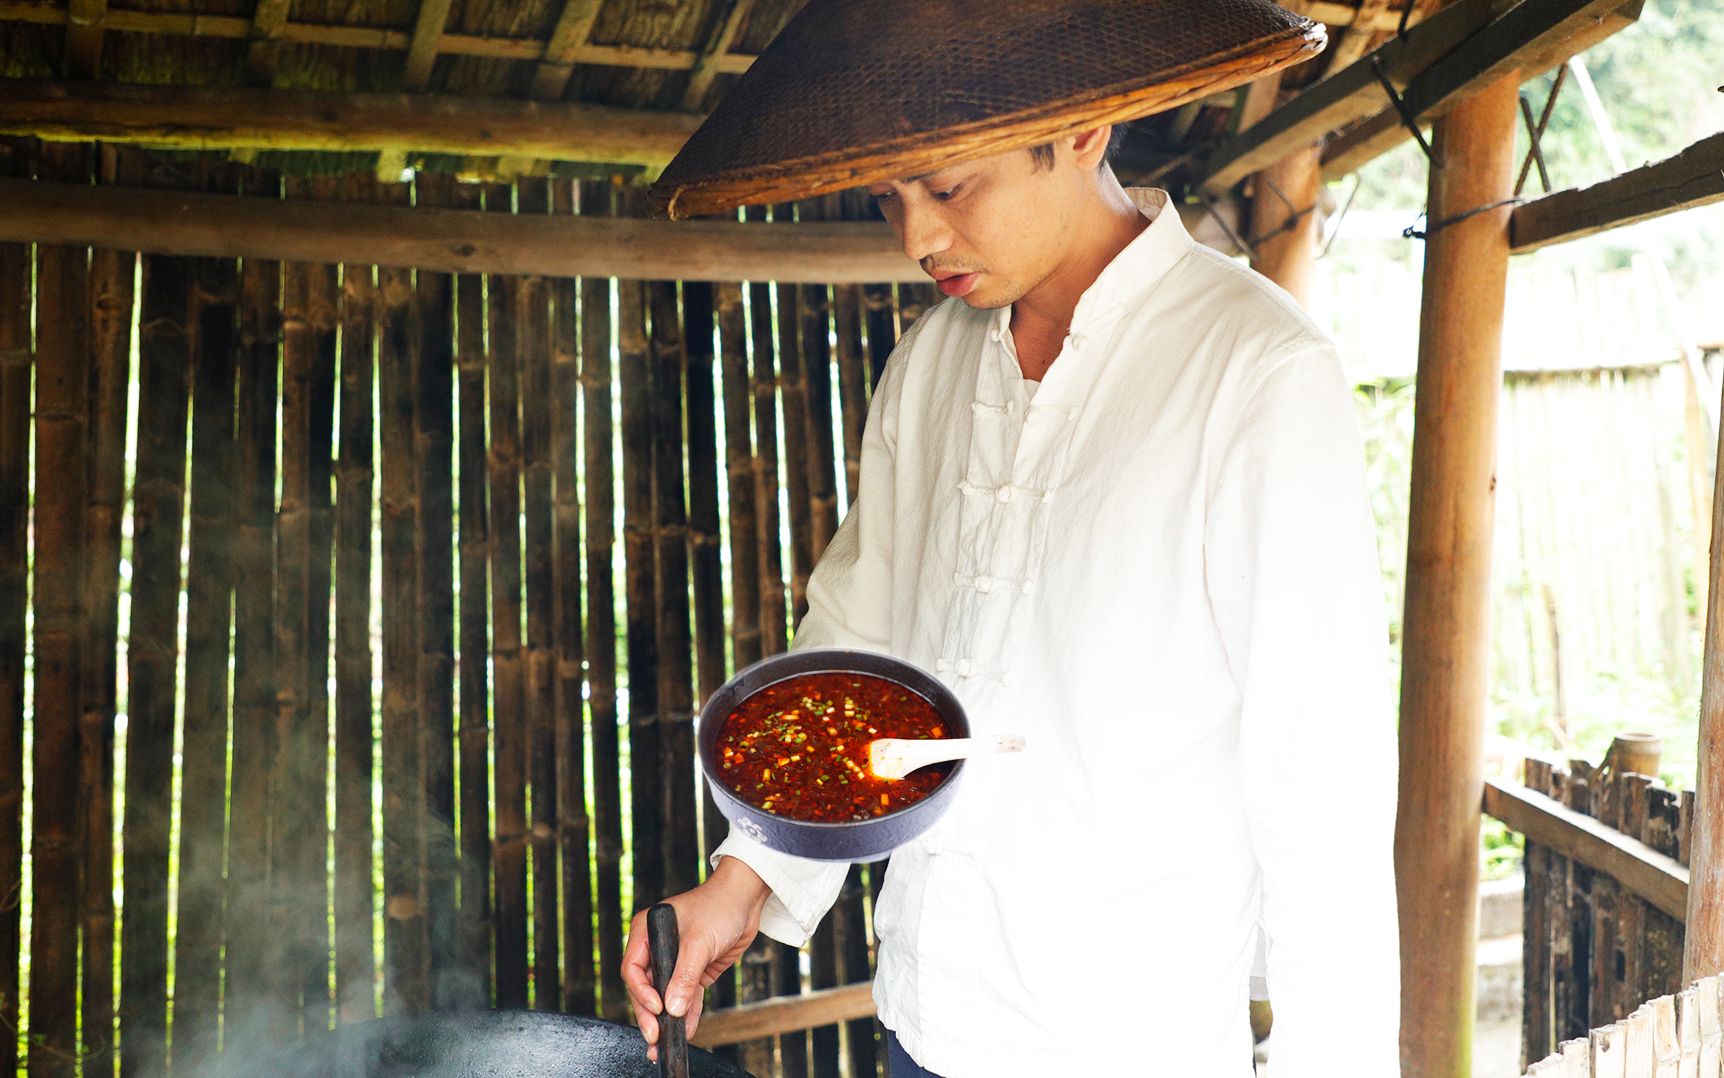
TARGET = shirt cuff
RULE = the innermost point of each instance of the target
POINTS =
(802, 890)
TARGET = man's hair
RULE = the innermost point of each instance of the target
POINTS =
(1044, 154)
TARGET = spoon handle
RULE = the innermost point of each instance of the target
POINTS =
(664, 944)
(897, 757)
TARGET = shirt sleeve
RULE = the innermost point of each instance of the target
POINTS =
(849, 606)
(1292, 573)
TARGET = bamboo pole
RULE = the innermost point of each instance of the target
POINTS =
(706, 555)
(15, 364)
(475, 599)
(300, 792)
(635, 385)
(355, 495)
(781, 970)
(816, 308)
(450, 241)
(1284, 221)
(793, 400)
(597, 467)
(63, 378)
(675, 779)
(509, 851)
(538, 482)
(574, 847)
(406, 939)
(742, 465)
(848, 307)
(111, 314)
(1446, 664)
(1703, 942)
(249, 1009)
(209, 594)
(879, 317)
(434, 447)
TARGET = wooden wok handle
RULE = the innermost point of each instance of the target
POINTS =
(664, 942)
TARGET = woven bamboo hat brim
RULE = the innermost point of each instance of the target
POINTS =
(853, 92)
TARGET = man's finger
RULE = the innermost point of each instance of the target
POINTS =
(684, 988)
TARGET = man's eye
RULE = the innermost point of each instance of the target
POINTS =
(946, 195)
(884, 196)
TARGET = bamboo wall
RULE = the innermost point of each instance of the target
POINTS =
(355, 634)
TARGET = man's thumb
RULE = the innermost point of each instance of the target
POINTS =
(684, 985)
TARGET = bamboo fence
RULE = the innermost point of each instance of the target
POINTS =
(440, 563)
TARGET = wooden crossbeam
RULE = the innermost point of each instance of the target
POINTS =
(84, 25)
(1694, 177)
(707, 67)
(562, 52)
(1640, 869)
(1536, 36)
(1345, 96)
(450, 241)
(427, 38)
(208, 118)
(1356, 42)
(786, 1014)
(262, 55)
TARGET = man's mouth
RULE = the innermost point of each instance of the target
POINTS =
(956, 284)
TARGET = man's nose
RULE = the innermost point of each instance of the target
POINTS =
(922, 230)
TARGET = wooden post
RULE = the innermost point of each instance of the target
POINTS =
(573, 830)
(252, 956)
(433, 451)
(1703, 945)
(1283, 232)
(406, 942)
(158, 495)
(509, 851)
(1447, 622)
(15, 363)
(355, 496)
(111, 311)
(209, 593)
(597, 463)
(63, 379)
(475, 616)
(534, 321)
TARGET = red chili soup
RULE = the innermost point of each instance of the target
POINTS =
(799, 747)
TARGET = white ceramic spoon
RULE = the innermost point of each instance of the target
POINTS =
(895, 757)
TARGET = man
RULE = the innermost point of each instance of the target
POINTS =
(1112, 493)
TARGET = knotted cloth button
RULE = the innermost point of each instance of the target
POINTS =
(966, 668)
(943, 665)
(1027, 586)
(1003, 494)
(1078, 341)
(984, 583)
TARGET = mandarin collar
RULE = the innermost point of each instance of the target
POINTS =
(1139, 266)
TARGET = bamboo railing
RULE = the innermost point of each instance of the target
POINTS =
(399, 620)
(1673, 1036)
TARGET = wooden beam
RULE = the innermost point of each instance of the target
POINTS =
(786, 1014)
(1445, 666)
(427, 38)
(706, 68)
(1694, 177)
(1345, 96)
(267, 21)
(1703, 945)
(450, 241)
(1655, 877)
(1448, 82)
(84, 25)
(203, 118)
(568, 37)
(1356, 42)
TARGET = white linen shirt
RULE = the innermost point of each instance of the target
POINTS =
(1162, 572)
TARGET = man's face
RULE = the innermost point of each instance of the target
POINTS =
(989, 230)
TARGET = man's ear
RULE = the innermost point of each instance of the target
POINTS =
(1089, 147)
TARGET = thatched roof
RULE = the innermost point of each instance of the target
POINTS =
(656, 55)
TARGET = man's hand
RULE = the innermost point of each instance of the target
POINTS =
(716, 922)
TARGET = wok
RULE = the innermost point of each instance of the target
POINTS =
(517, 1044)
(476, 1044)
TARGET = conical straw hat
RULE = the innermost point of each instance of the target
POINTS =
(853, 92)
